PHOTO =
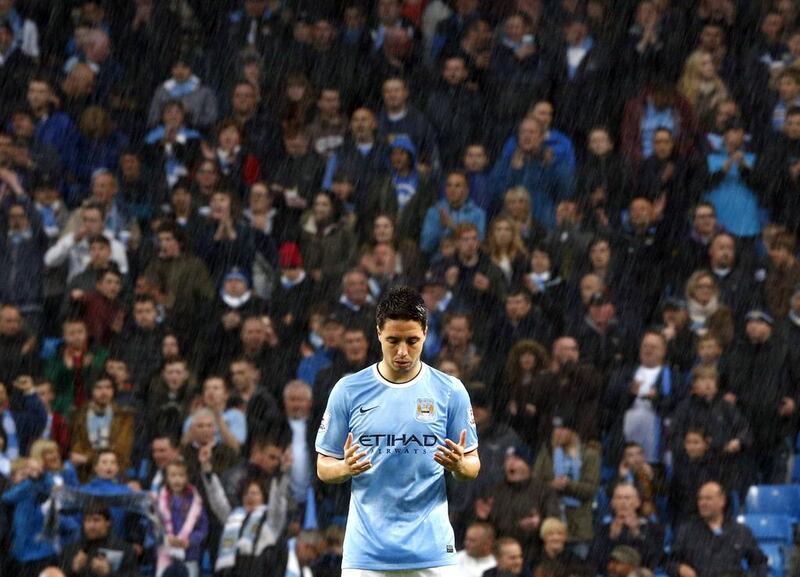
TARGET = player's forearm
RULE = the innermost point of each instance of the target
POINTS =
(332, 470)
(471, 466)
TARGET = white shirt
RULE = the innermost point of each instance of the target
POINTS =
(641, 420)
(78, 254)
(474, 566)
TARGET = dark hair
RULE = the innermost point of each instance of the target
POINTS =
(402, 304)
(96, 507)
(104, 377)
(99, 238)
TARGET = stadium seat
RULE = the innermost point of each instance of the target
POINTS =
(775, 559)
(775, 500)
(769, 528)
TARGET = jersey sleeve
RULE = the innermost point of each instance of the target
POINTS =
(459, 417)
(335, 425)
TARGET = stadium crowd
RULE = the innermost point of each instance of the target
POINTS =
(201, 202)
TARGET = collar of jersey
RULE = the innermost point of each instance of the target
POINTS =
(405, 385)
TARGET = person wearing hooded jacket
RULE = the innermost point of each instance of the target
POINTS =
(406, 193)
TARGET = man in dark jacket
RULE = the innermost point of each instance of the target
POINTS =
(22, 247)
(714, 544)
(454, 110)
(758, 384)
(777, 171)
(517, 505)
(98, 553)
(17, 345)
(139, 345)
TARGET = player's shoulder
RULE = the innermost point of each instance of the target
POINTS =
(445, 381)
(365, 375)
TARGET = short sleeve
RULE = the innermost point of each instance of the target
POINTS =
(335, 425)
(459, 417)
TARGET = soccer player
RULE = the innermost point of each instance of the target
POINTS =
(390, 428)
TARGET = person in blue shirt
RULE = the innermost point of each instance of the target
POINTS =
(389, 429)
(443, 218)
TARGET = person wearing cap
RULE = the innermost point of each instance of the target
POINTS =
(622, 561)
(638, 397)
(571, 468)
(98, 553)
(517, 505)
(625, 526)
(234, 303)
(603, 340)
(714, 543)
(295, 289)
(758, 384)
(677, 329)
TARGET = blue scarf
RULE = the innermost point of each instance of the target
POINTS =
(180, 89)
(10, 428)
(567, 466)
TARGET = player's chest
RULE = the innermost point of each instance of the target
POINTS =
(416, 421)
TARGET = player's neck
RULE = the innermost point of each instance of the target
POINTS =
(399, 378)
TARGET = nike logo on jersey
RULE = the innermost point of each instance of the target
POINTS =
(362, 410)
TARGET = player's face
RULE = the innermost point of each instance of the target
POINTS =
(401, 344)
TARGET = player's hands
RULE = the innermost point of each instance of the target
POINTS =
(451, 454)
(353, 459)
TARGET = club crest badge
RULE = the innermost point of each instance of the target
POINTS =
(426, 411)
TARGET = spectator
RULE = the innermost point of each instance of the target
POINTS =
(327, 246)
(572, 470)
(102, 311)
(477, 557)
(634, 470)
(783, 274)
(769, 407)
(443, 218)
(507, 250)
(139, 343)
(554, 539)
(517, 505)
(731, 191)
(229, 423)
(510, 560)
(181, 509)
(98, 553)
(532, 166)
(198, 100)
(705, 545)
(701, 85)
(639, 397)
(297, 402)
(625, 526)
(454, 110)
(101, 424)
(516, 390)
(694, 466)
(74, 367)
(624, 560)
(73, 247)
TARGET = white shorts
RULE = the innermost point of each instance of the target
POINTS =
(446, 571)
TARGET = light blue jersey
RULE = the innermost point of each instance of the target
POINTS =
(398, 516)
